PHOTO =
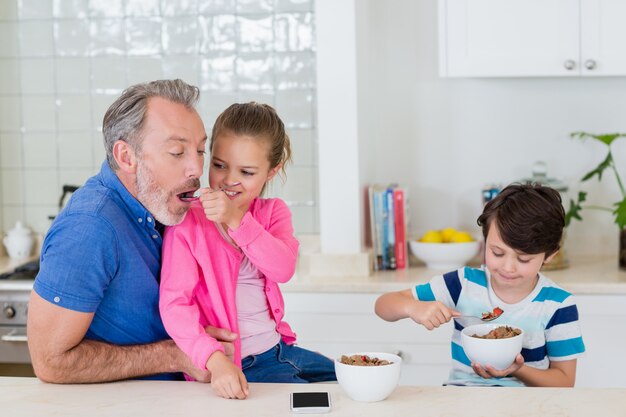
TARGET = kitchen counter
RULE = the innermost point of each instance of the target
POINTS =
(590, 275)
(30, 397)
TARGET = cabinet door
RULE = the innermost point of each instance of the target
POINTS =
(490, 38)
(603, 37)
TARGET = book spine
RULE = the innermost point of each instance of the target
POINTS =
(390, 248)
(379, 208)
(400, 227)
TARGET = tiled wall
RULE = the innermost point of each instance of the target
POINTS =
(63, 62)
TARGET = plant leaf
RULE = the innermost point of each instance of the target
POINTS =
(605, 138)
(620, 213)
(608, 161)
(575, 208)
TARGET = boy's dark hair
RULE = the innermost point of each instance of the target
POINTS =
(530, 218)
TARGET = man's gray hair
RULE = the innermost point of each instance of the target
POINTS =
(125, 117)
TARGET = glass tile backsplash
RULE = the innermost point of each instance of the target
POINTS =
(63, 62)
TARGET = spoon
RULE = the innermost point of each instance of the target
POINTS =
(486, 317)
(222, 188)
(226, 187)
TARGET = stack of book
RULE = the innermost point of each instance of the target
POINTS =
(387, 226)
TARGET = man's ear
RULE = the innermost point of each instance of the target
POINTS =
(125, 157)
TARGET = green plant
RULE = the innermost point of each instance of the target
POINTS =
(619, 208)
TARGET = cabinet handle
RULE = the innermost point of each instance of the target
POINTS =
(570, 64)
(590, 64)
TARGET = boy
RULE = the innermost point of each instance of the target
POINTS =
(522, 227)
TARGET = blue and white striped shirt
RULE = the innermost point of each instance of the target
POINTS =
(548, 316)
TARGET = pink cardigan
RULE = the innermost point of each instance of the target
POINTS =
(200, 269)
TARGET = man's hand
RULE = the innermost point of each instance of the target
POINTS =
(226, 337)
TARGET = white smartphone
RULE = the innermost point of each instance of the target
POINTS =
(310, 402)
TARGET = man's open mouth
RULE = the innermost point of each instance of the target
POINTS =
(188, 196)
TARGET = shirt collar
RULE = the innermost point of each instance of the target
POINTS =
(138, 211)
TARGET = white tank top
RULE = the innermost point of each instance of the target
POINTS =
(257, 328)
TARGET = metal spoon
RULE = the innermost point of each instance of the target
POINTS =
(227, 186)
(222, 188)
(486, 317)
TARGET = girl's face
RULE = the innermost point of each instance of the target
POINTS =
(514, 274)
(240, 158)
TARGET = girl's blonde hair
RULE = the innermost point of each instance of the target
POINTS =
(259, 121)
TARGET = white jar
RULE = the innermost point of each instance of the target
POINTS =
(19, 241)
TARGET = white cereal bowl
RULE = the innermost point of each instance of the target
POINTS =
(369, 383)
(499, 353)
(445, 256)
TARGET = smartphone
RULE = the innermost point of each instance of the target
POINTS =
(310, 402)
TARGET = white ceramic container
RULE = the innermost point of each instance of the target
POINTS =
(499, 353)
(445, 256)
(19, 241)
(369, 383)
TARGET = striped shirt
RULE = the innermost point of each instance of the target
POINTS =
(548, 316)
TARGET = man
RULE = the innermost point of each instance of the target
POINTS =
(93, 313)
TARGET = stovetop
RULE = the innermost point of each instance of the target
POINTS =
(27, 271)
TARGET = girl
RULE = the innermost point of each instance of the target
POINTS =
(222, 264)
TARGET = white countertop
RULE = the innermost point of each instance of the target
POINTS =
(28, 397)
(591, 275)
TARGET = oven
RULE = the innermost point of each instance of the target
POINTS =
(15, 290)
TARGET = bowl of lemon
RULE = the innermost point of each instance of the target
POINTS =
(445, 249)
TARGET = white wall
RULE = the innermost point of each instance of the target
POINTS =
(445, 138)
(63, 63)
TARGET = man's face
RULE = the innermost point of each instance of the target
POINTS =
(170, 162)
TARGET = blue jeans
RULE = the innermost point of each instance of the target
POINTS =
(288, 364)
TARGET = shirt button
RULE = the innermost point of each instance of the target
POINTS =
(267, 289)
(154, 236)
(149, 220)
(140, 220)
(57, 299)
(277, 311)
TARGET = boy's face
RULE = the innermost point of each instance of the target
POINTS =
(513, 273)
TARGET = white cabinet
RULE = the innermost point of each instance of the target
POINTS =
(508, 38)
(602, 321)
(339, 323)
(336, 324)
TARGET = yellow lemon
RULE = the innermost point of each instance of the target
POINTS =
(460, 237)
(432, 236)
(447, 233)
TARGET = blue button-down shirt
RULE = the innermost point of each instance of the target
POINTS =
(102, 255)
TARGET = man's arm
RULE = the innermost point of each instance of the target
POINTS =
(61, 355)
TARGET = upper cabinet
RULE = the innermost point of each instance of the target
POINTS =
(525, 38)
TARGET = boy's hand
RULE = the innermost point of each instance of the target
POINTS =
(430, 314)
(227, 380)
(491, 372)
(220, 209)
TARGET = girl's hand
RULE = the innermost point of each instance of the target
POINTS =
(431, 314)
(491, 372)
(220, 209)
(227, 380)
